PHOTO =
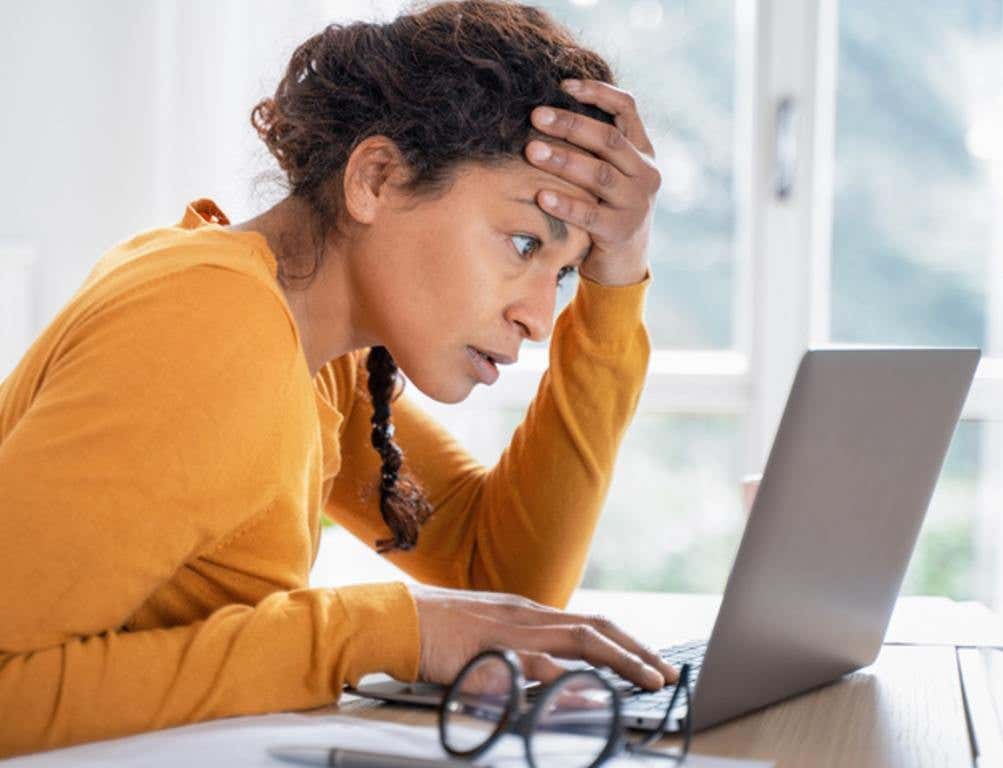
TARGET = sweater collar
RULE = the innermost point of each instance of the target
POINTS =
(201, 212)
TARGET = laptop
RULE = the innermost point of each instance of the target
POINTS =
(853, 465)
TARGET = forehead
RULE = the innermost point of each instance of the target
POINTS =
(520, 179)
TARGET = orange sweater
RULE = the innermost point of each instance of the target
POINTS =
(165, 458)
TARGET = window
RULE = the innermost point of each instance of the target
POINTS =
(917, 237)
(917, 102)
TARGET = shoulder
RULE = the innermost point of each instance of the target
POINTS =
(198, 309)
(198, 355)
(210, 268)
(182, 384)
(212, 298)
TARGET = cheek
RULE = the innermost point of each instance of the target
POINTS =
(449, 281)
(431, 301)
(459, 282)
(459, 299)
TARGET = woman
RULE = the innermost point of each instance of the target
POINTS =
(169, 443)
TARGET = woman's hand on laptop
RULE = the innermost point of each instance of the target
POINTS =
(457, 624)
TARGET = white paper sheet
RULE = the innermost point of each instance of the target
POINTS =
(242, 742)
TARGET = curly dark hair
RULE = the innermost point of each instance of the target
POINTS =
(450, 83)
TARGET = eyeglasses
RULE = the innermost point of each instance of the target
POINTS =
(575, 721)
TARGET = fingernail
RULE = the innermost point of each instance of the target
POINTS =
(545, 116)
(572, 86)
(539, 151)
(549, 199)
(655, 677)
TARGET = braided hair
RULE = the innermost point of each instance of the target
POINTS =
(402, 504)
(451, 84)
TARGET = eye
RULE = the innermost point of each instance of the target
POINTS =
(534, 241)
(565, 271)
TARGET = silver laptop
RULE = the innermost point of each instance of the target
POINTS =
(853, 466)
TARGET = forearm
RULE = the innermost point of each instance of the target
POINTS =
(540, 504)
(293, 650)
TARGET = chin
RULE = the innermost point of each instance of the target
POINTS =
(446, 390)
(448, 393)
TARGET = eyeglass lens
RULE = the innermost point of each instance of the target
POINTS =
(477, 705)
(574, 722)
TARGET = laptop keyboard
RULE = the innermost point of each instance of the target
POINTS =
(637, 699)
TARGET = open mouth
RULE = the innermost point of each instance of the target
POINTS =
(485, 355)
(484, 364)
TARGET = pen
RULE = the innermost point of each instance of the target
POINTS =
(351, 758)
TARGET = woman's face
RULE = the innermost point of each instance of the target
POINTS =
(476, 268)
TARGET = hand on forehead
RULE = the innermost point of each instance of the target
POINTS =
(549, 180)
(611, 163)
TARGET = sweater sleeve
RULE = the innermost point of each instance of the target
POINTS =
(524, 526)
(293, 650)
(152, 437)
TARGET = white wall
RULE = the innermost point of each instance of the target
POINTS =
(117, 113)
(17, 303)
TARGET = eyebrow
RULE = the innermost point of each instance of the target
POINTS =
(558, 229)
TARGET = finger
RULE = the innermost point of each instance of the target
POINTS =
(617, 102)
(581, 641)
(600, 138)
(488, 679)
(580, 693)
(645, 652)
(598, 176)
(540, 666)
(526, 613)
(600, 221)
(611, 630)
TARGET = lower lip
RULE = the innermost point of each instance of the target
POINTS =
(487, 371)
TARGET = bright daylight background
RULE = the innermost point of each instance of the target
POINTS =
(118, 113)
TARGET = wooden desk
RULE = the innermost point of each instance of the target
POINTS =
(904, 710)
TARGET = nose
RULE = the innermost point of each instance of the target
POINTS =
(533, 312)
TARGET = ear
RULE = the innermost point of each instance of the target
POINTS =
(372, 173)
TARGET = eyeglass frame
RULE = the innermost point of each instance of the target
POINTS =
(523, 723)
